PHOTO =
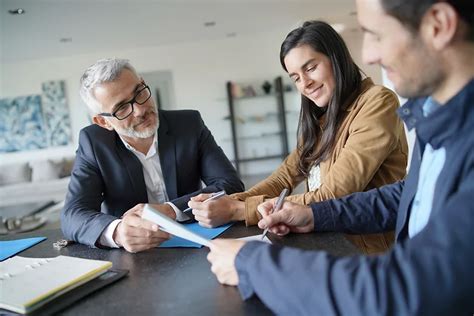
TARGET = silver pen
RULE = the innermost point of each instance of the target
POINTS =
(277, 207)
(213, 196)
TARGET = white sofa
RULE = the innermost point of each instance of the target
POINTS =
(37, 181)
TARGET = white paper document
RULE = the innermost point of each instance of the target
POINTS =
(257, 238)
(170, 226)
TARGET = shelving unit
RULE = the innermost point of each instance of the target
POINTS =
(276, 101)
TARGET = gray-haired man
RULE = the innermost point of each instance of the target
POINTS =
(133, 155)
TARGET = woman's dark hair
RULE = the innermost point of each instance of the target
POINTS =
(315, 142)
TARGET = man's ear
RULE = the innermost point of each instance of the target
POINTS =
(102, 122)
(439, 25)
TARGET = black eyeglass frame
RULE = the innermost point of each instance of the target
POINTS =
(131, 102)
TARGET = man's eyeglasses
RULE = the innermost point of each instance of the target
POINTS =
(125, 109)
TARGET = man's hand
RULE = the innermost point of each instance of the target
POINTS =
(291, 217)
(216, 212)
(222, 259)
(136, 234)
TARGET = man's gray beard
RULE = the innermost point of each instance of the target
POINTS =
(130, 132)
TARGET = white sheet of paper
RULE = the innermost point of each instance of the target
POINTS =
(257, 238)
(170, 226)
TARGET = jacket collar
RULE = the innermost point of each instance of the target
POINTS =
(446, 121)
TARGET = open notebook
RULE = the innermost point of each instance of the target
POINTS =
(28, 283)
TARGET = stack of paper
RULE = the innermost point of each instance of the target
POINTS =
(168, 225)
(190, 235)
(256, 238)
(28, 283)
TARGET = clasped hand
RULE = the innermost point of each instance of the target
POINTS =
(216, 212)
(137, 234)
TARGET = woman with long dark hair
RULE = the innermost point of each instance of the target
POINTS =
(350, 138)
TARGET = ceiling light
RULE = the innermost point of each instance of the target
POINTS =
(209, 23)
(17, 11)
(65, 40)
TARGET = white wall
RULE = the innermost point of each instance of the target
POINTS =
(353, 39)
(199, 69)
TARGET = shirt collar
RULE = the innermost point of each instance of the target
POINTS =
(152, 151)
(430, 106)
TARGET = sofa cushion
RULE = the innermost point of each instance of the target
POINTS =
(45, 170)
(67, 164)
(15, 173)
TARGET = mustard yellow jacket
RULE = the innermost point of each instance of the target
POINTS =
(370, 151)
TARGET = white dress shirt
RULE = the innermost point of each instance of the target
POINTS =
(155, 188)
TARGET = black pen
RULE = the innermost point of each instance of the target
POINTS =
(276, 208)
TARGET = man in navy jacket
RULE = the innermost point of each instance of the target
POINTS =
(134, 155)
(427, 49)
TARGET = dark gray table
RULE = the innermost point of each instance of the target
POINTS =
(172, 281)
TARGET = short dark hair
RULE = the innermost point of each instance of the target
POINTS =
(410, 12)
(315, 142)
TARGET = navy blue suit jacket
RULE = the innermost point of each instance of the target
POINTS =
(107, 179)
(429, 274)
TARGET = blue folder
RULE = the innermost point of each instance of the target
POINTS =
(10, 248)
(208, 233)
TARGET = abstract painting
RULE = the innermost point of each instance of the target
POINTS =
(21, 124)
(35, 121)
(56, 113)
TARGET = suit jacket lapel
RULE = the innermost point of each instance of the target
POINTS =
(134, 170)
(167, 152)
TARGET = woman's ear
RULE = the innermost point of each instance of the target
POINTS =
(102, 122)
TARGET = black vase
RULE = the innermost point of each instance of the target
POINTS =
(267, 87)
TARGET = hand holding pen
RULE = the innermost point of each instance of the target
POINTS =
(290, 217)
(213, 196)
(211, 212)
(276, 208)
